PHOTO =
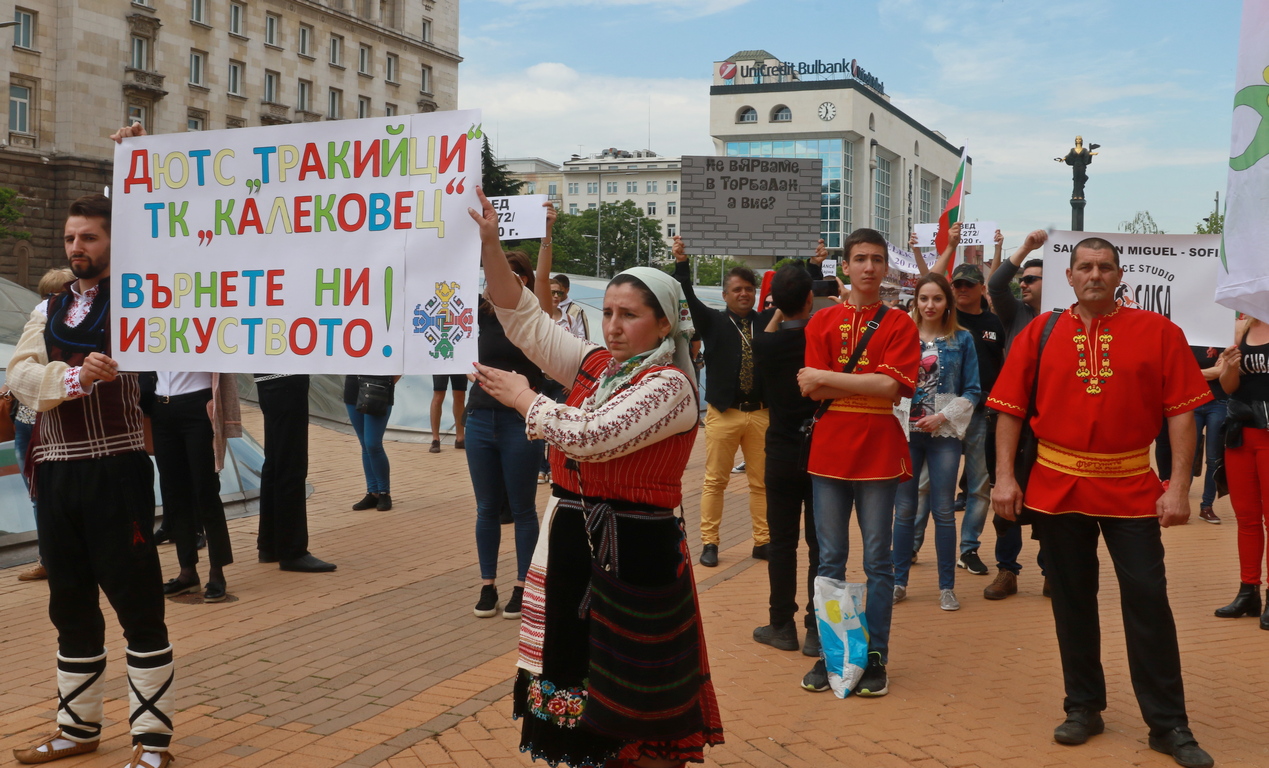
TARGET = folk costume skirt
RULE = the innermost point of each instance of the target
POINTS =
(612, 653)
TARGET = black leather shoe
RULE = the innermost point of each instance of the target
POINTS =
(306, 564)
(267, 557)
(368, 502)
(175, 587)
(760, 552)
(215, 592)
(709, 555)
(1246, 603)
(1180, 743)
(385, 502)
(161, 536)
(783, 637)
(201, 541)
(1080, 724)
(811, 647)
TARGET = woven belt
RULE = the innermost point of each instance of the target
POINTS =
(1085, 464)
(863, 404)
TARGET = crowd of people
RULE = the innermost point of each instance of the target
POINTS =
(841, 405)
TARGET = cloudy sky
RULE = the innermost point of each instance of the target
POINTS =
(1018, 79)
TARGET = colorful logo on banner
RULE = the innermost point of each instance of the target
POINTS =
(443, 321)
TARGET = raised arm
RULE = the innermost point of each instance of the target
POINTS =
(501, 284)
(995, 259)
(703, 317)
(939, 267)
(546, 254)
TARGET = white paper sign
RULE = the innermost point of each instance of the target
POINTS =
(925, 234)
(972, 233)
(520, 217)
(329, 247)
(1174, 275)
(829, 268)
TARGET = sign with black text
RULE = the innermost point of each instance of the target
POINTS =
(520, 217)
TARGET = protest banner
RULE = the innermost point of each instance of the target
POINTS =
(905, 261)
(750, 206)
(520, 217)
(1174, 275)
(329, 247)
(972, 233)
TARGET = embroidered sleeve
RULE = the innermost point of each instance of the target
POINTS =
(1184, 387)
(901, 356)
(1012, 392)
(73, 387)
(39, 384)
(662, 404)
(552, 348)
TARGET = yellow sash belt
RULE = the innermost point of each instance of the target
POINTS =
(863, 404)
(1085, 464)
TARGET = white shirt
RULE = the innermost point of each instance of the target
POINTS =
(172, 383)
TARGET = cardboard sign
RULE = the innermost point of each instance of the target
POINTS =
(328, 247)
(1174, 275)
(520, 217)
(751, 206)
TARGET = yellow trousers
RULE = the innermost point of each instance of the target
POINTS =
(725, 431)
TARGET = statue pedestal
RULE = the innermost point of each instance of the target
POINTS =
(1077, 214)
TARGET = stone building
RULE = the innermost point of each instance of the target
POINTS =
(78, 70)
(649, 180)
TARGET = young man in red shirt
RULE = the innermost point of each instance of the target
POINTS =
(859, 454)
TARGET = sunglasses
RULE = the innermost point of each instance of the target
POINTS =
(1029, 279)
(559, 294)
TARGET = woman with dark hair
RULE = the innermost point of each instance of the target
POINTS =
(940, 411)
(612, 657)
(503, 463)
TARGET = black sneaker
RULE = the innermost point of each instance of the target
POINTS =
(812, 645)
(512, 609)
(368, 502)
(783, 637)
(874, 681)
(488, 605)
(384, 503)
(971, 562)
(1180, 743)
(816, 680)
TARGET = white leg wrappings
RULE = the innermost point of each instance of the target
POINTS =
(151, 697)
(80, 687)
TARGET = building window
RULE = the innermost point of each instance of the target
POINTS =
(572, 209)
(530, 188)
(336, 50)
(592, 187)
(271, 80)
(652, 208)
(136, 114)
(425, 79)
(306, 40)
(390, 109)
(652, 187)
(198, 11)
(140, 58)
(197, 67)
(590, 207)
(24, 32)
(572, 187)
(334, 104)
(672, 208)
(394, 67)
(747, 115)
(363, 106)
(945, 194)
(872, 122)
(881, 197)
(632, 187)
(782, 114)
(237, 18)
(363, 60)
(304, 96)
(671, 230)
(235, 78)
(19, 109)
(196, 121)
(427, 31)
(672, 186)
(553, 189)
(916, 149)
(271, 24)
(611, 187)
(924, 209)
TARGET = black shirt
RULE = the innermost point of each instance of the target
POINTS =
(1206, 360)
(1253, 382)
(495, 350)
(989, 343)
(720, 331)
(779, 356)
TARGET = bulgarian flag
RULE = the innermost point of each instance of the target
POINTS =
(952, 213)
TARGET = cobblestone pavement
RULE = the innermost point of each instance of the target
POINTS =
(383, 664)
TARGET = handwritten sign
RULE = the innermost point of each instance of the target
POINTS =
(520, 217)
(752, 206)
(328, 247)
(972, 233)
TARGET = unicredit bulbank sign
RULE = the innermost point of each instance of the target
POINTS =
(729, 71)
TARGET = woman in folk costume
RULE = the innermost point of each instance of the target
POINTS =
(612, 654)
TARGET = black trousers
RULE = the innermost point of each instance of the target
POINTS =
(283, 511)
(95, 519)
(1154, 661)
(183, 451)
(788, 501)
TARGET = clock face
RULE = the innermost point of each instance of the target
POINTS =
(827, 111)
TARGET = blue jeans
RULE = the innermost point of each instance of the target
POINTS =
(503, 464)
(977, 480)
(374, 460)
(875, 502)
(1208, 418)
(943, 456)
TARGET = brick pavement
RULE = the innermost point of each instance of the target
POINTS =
(382, 663)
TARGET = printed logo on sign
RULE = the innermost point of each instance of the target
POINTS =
(1256, 97)
(727, 70)
(444, 321)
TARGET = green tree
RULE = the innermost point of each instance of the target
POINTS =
(1211, 225)
(1141, 224)
(496, 179)
(10, 212)
(629, 239)
(711, 269)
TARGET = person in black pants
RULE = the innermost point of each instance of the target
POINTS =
(283, 535)
(780, 353)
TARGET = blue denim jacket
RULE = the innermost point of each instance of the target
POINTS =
(958, 367)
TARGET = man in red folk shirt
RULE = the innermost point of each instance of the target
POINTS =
(1108, 376)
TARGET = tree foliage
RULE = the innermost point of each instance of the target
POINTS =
(10, 212)
(1211, 225)
(628, 239)
(496, 180)
(1141, 224)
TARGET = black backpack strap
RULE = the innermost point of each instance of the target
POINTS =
(1044, 339)
(871, 327)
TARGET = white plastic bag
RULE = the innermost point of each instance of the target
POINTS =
(839, 612)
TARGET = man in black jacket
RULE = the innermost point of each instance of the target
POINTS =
(736, 416)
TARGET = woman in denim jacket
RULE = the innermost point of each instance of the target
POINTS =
(936, 418)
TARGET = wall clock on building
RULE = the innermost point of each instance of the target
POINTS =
(827, 111)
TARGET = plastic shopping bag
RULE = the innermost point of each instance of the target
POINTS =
(839, 612)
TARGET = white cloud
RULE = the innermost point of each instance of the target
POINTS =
(552, 111)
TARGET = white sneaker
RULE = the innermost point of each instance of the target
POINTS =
(543, 478)
(900, 593)
(738, 469)
(947, 600)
